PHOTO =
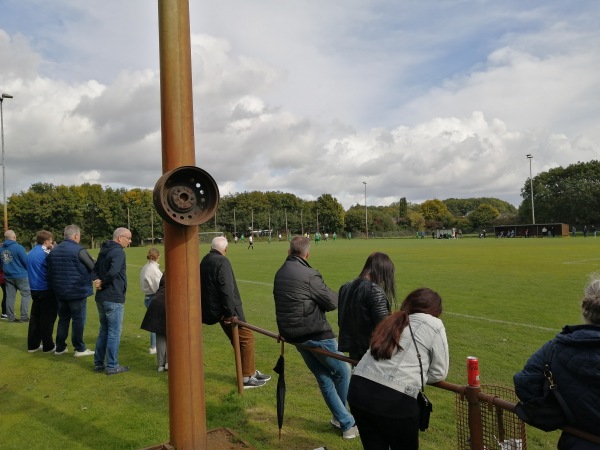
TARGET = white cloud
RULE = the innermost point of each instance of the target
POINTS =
(420, 100)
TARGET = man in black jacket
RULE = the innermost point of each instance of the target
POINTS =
(301, 300)
(221, 300)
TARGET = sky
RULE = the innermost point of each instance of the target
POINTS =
(419, 99)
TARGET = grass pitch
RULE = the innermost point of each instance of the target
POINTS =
(503, 298)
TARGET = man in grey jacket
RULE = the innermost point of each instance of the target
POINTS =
(301, 300)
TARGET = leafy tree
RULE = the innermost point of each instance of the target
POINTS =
(436, 211)
(417, 221)
(483, 216)
(331, 214)
(564, 195)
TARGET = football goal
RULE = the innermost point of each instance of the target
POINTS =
(206, 237)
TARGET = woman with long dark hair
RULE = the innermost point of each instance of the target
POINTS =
(385, 384)
(364, 302)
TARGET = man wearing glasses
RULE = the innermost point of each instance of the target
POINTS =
(110, 280)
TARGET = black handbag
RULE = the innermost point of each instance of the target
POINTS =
(424, 404)
(550, 411)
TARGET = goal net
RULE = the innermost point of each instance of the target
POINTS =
(206, 237)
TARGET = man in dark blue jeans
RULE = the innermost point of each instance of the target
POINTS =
(110, 279)
(301, 300)
(69, 266)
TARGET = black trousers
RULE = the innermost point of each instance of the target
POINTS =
(384, 433)
(42, 318)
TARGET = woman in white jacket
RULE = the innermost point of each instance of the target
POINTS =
(384, 387)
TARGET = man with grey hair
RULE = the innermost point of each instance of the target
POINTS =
(301, 300)
(14, 262)
(221, 300)
(69, 266)
(110, 279)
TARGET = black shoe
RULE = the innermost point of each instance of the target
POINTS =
(15, 320)
(115, 370)
(24, 320)
(99, 369)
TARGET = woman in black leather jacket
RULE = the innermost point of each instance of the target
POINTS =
(364, 302)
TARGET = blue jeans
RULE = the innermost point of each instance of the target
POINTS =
(333, 377)
(147, 300)
(74, 312)
(109, 336)
(12, 285)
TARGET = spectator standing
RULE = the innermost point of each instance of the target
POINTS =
(251, 241)
(149, 280)
(221, 301)
(14, 263)
(386, 381)
(301, 300)
(155, 321)
(43, 305)
(69, 268)
(364, 302)
(110, 280)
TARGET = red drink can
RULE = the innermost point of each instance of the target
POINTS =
(473, 371)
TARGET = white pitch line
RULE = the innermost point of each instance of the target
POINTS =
(581, 261)
(486, 319)
(466, 316)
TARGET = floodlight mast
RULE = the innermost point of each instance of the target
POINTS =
(530, 157)
(366, 214)
(4, 95)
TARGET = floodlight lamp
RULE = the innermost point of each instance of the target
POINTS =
(6, 95)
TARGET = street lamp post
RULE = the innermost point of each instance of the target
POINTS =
(3, 171)
(530, 157)
(366, 215)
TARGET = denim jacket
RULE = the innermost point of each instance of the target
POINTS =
(402, 372)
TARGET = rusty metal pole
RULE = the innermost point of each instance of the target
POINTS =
(235, 332)
(187, 414)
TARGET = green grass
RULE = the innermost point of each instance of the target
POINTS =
(503, 298)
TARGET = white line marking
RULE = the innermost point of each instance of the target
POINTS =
(486, 319)
(581, 261)
(466, 316)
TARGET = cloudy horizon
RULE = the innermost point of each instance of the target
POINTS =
(420, 100)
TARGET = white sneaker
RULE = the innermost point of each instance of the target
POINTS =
(161, 368)
(36, 349)
(335, 423)
(86, 352)
(152, 350)
(350, 433)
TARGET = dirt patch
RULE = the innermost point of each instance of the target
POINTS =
(225, 439)
(217, 439)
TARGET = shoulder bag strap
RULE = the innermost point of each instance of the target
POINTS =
(418, 354)
(554, 387)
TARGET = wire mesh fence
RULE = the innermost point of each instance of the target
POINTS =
(502, 429)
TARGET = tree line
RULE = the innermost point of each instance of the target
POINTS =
(561, 195)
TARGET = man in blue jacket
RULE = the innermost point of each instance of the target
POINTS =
(43, 307)
(14, 261)
(110, 279)
(69, 268)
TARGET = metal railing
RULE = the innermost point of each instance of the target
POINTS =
(473, 395)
